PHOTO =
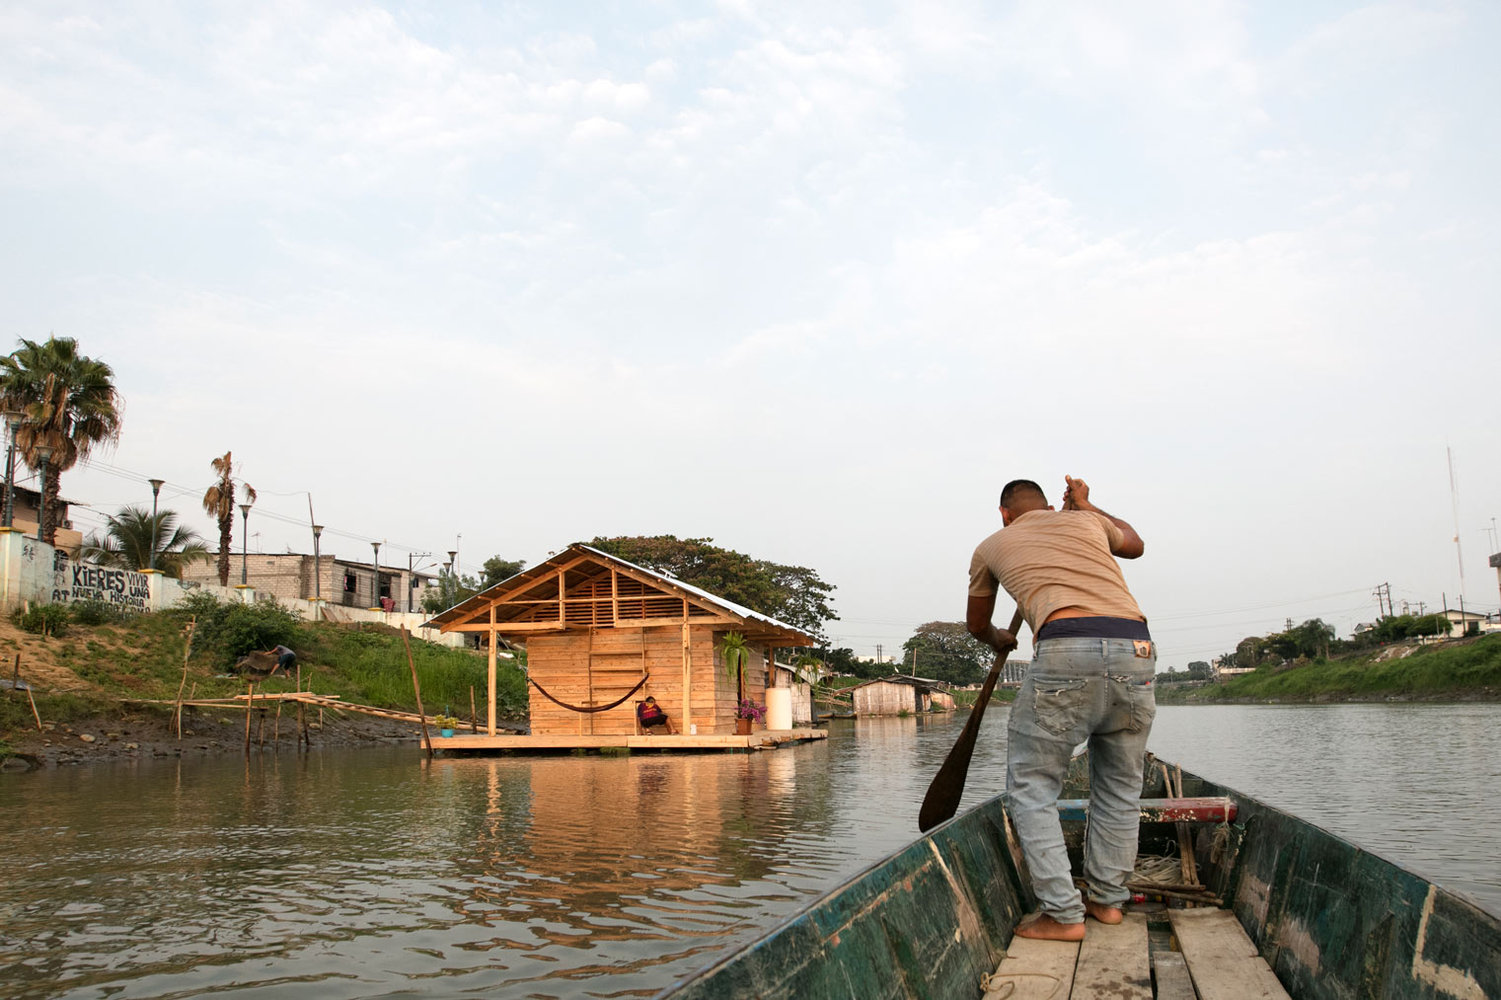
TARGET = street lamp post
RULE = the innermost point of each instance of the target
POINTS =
(156, 489)
(13, 425)
(245, 545)
(317, 574)
(43, 453)
(375, 580)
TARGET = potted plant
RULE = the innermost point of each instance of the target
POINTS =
(747, 712)
(446, 724)
(736, 653)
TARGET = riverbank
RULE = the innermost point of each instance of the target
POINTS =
(93, 688)
(1459, 670)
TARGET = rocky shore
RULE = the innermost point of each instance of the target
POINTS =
(144, 734)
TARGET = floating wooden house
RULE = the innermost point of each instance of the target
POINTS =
(601, 634)
(897, 694)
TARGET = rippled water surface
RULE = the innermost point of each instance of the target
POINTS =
(374, 873)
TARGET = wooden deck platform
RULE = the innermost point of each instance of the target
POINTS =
(766, 739)
(1214, 960)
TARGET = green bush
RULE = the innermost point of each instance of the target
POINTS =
(93, 612)
(42, 619)
(226, 631)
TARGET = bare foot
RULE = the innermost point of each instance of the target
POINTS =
(1104, 914)
(1045, 928)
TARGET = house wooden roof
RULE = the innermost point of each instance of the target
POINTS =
(598, 590)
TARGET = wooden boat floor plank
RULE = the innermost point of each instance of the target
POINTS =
(1035, 970)
(1113, 961)
(1221, 958)
(1173, 980)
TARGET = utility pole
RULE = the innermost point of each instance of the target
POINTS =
(1287, 625)
(1454, 501)
(411, 579)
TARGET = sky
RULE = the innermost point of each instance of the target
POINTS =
(813, 280)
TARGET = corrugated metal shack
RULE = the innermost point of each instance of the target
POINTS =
(899, 693)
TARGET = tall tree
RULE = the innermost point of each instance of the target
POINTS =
(219, 503)
(497, 569)
(946, 651)
(129, 539)
(793, 594)
(67, 403)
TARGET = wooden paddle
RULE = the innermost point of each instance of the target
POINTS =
(942, 800)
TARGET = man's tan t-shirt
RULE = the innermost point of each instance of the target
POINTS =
(1049, 560)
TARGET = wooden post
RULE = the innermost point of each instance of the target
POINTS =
(614, 597)
(490, 719)
(589, 684)
(249, 704)
(687, 674)
(276, 728)
(473, 716)
(301, 722)
(187, 650)
(417, 690)
(34, 713)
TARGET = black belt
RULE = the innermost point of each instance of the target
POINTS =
(1094, 628)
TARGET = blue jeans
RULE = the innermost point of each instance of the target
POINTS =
(1095, 691)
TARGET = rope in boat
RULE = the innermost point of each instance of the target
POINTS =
(593, 708)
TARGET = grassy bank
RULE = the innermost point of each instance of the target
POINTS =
(89, 671)
(1468, 669)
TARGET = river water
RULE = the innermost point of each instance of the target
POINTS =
(374, 873)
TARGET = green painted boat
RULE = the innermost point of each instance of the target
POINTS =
(1331, 919)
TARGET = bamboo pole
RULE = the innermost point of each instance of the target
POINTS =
(34, 713)
(249, 705)
(187, 650)
(473, 716)
(301, 720)
(417, 689)
(16, 685)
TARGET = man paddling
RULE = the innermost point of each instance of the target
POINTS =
(1090, 682)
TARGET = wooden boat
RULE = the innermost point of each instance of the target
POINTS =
(1263, 905)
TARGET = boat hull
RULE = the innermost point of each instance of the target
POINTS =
(1333, 920)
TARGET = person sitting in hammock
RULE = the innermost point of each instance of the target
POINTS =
(650, 715)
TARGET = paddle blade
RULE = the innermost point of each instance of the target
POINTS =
(947, 787)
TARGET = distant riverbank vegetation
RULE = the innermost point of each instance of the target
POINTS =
(98, 665)
(1468, 668)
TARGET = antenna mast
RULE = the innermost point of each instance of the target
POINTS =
(1454, 502)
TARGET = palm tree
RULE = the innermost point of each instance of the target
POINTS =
(67, 403)
(129, 539)
(219, 503)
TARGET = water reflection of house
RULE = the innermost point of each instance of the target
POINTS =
(601, 634)
(900, 693)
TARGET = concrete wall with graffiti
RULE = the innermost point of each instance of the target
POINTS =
(32, 572)
(83, 581)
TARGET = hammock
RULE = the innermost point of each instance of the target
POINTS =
(597, 708)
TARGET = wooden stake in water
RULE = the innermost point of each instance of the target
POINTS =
(187, 649)
(473, 716)
(249, 703)
(416, 689)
